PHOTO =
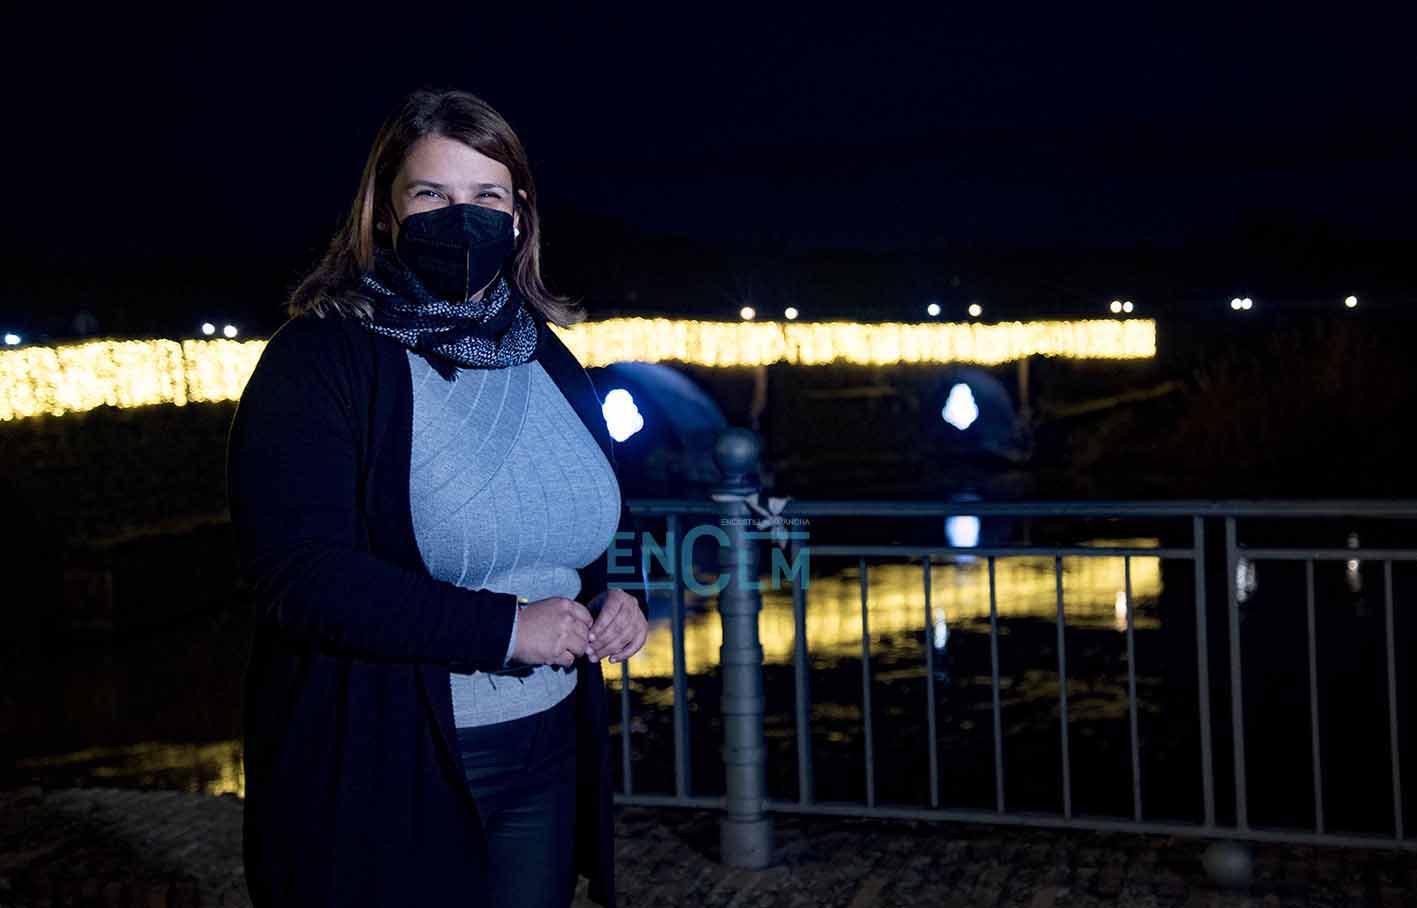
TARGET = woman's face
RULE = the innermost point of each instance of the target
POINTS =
(440, 171)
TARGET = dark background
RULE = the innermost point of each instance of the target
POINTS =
(190, 165)
(174, 167)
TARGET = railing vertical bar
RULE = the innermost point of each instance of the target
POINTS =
(866, 692)
(994, 677)
(801, 670)
(1063, 691)
(1314, 697)
(932, 741)
(1392, 702)
(625, 726)
(681, 672)
(1132, 687)
(1203, 672)
(1237, 705)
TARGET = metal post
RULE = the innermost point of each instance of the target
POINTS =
(682, 764)
(866, 690)
(1237, 694)
(933, 737)
(745, 832)
(1314, 697)
(994, 678)
(1203, 671)
(1063, 691)
(1132, 689)
(627, 779)
(1392, 703)
(801, 675)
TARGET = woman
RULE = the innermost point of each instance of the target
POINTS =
(423, 493)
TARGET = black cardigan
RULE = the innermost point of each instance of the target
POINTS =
(355, 793)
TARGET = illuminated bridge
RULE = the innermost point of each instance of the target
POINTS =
(71, 378)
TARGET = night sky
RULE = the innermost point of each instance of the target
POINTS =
(860, 163)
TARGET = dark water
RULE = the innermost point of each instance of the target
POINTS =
(158, 706)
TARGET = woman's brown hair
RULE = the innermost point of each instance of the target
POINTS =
(334, 287)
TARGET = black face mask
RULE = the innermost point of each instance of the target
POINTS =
(455, 251)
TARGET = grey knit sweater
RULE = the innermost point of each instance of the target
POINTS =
(509, 493)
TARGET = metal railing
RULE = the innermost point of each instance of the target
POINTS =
(745, 802)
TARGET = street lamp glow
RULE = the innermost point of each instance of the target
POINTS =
(1126, 305)
(791, 312)
(747, 313)
(976, 310)
(960, 410)
(1351, 302)
(229, 331)
(12, 340)
(933, 309)
(1236, 304)
(1246, 303)
(208, 328)
(1116, 306)
(962, 531)
(622, 416)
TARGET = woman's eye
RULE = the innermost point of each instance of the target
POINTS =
(489, 194)
(428, 191)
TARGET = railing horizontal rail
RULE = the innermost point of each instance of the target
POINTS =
(1101, 824)
(1372, 508)
(1044, 551)
(1219, 508)
(1022, 818)
(1302, 554)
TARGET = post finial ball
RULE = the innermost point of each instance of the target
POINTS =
(736, 451)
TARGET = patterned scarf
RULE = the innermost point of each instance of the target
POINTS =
(496, 331)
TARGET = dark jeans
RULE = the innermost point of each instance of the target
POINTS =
(523, 775)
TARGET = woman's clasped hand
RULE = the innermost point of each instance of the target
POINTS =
(620, 627)
(557, 630)
(552, 631)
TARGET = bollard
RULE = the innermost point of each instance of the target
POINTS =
(745, 832)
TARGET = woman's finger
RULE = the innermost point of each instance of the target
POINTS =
(638, 643)
(618, 632)
(617, 603)
(573, 636)
(633, 644)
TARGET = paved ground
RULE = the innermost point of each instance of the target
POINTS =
(97, 846)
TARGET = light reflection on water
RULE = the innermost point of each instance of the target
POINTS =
(213, 768)
(1093, 597)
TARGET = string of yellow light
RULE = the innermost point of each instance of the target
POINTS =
(72, 378)
(889, 343)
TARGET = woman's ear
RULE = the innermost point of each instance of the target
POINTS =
(383, 221)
